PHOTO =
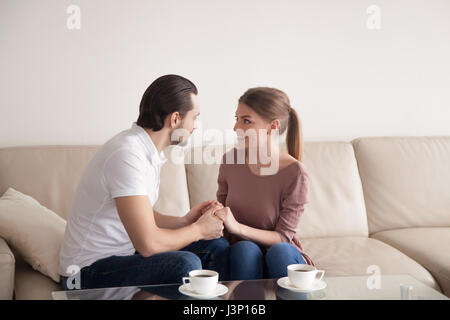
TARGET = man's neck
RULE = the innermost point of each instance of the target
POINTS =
(161, 138)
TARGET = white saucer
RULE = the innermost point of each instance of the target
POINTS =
(187, 290)
(285, 283)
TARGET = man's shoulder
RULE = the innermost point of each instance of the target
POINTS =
(124, 145)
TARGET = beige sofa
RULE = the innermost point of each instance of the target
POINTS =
(374, 201)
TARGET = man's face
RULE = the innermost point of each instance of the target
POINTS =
(188, 122)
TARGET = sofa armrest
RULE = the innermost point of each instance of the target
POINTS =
(7, 265)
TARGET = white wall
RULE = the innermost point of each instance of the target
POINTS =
(61, 86)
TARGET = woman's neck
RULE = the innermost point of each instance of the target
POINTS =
(270, 153)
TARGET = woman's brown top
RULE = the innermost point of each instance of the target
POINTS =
(269, 202)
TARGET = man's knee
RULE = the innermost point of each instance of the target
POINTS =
(219, 244)
(187, 261)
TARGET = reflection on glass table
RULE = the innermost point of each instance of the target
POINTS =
(338, 288)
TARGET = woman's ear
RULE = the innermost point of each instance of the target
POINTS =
(275, 124)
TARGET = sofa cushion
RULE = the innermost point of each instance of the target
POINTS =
(427, 246)
(33, 230)
(340, 256)
(32, 285)
(49, 174)
(336, 203)
(405, 181)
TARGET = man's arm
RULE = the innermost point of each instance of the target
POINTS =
(137, 216)
(171, 222)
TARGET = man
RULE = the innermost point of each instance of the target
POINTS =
(114, 237)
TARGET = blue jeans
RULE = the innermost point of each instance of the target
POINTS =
(160, 268)
(247, 261)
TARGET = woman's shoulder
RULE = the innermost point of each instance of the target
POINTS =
(232, 156)
(228, 163)
(227, 154)
(298, 173)
(298, 185)
(297, 168)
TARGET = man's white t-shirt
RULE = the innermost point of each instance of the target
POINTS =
(126, 165)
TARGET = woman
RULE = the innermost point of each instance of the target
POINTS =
(261, 211)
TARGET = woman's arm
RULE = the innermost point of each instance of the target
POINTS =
(265, 237)
(293, 205)
(260, 236)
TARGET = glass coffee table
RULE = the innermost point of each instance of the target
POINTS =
(389, 287)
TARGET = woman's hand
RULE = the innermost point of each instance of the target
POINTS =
(214, 204)
(229, 221)
(197, 211)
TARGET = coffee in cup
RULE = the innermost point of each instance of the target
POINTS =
(202, 281)
(303, 276)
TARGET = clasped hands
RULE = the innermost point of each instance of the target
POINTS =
(214, 209)
(226, 216)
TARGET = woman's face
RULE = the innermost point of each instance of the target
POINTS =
(249, 123)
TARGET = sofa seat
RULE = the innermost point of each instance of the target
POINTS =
(31, 284)
(341, 256)
(7, 267)
(427, 246)
(338, 256)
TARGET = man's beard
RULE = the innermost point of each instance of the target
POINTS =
(185, 139)
(183, 143)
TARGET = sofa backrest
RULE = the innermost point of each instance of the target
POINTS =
(173, 197)
(336, 206)
(406, 181)
(202, 177)
(50, 174)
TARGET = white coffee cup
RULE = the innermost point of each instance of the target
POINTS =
(202, 281)
(303, 276)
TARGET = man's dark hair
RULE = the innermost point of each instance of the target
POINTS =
(167, 94)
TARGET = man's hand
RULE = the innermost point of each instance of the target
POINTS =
(215, 204)
(229, 221)
(196, 212)
(209, 225)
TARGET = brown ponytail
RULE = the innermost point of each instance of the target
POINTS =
(294, 137)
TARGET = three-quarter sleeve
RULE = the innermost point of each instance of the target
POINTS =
(294, 198)
(222, 189)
